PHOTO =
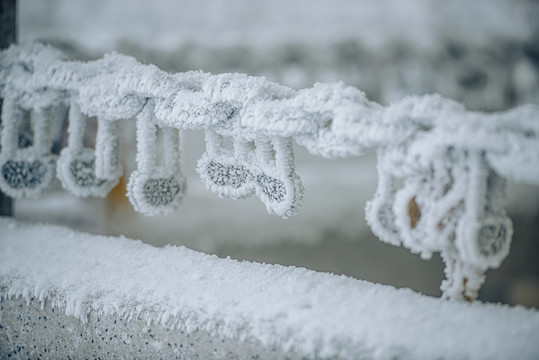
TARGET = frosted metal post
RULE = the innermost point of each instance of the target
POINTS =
(8, 36)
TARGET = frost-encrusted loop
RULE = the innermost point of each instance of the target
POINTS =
(28, 171)
(485, 234)
(244, 168)
(156, 189)
(277, 184)
(225, 170)
(78, 165)
(446, 201)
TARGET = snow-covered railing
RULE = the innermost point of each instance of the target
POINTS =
(65, 294)
(441, 169)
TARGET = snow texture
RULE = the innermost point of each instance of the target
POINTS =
(441, 169)
(292, 309)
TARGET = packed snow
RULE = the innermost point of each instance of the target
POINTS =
(315, 314)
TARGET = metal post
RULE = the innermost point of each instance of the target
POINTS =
(8, 36)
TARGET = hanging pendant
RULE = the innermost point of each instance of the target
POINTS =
(264, 168)
(484, 234)
(156, 189)
(85, 171)
(277, 184)
(25, 171)
(379, 212)
(225, 169)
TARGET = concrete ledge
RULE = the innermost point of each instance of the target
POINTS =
(30, 331)
(61, 290)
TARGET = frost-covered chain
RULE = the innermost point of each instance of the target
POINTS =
(441, 169)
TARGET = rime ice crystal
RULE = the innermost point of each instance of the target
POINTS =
(441, 169)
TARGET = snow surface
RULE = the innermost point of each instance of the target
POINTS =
(315, 314)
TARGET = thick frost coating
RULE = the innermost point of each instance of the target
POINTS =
(25, 171)
(293, 309)
(265, 168)
(156, 189)
(441, 168)
(450, 203)
(85, 171)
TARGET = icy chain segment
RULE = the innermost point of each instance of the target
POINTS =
(78, 165)
(244, 168)
(156, 189)
(439, 199)
(26, 171)
(441, 168)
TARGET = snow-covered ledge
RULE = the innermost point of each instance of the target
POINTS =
(65, 294)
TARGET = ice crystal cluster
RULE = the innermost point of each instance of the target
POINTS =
(442, 169)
